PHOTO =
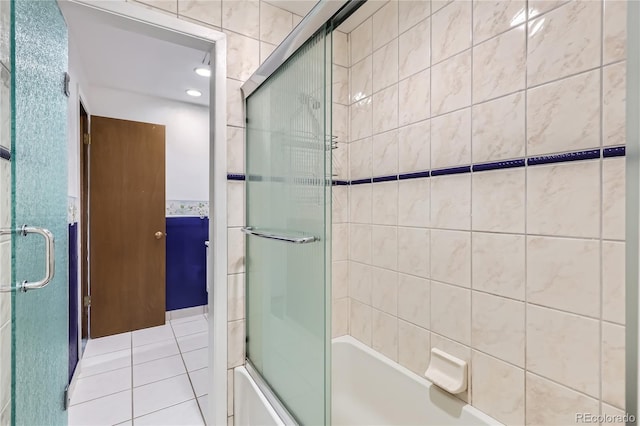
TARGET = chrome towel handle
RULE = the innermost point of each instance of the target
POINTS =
(50, 268)
(249, 230)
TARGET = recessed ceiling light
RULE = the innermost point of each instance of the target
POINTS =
(203, 71)
(193, 92)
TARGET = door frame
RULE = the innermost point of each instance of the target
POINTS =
(157, 24)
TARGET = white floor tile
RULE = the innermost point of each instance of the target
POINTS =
(162, 394)
(152, 335)
(159, 369)
(200, 381)
(195, 360)
(202, 402)
(107, 344)
(127, 423)
(154, 351)
(193, 341)
(191, 327)
(186, 413)
(100, 385)
(106, 362)
(110, 410)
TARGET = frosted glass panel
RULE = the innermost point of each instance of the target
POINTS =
(288, 193)
(39, 199)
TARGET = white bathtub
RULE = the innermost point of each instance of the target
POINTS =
(367, 389)
(370, 389)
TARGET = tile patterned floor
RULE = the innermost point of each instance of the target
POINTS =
(156, 376)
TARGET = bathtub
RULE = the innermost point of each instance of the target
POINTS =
(367, 389)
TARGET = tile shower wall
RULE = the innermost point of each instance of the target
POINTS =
(518, 271)
(5, 214)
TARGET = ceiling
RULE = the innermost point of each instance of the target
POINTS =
(121, 59)
(299, 7)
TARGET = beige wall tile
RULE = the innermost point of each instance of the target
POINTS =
(385, 203)
(360, 243)
(242, 16)
(340, 204)
(339, 279)
(384, 291)
(499, 65)
(414, 347)
(385, 109)
(414, 50)
(411, 12)
(165, 5)
(361, 75)
(451, 83)
(235, 342)
(459, 351)
(414, 147)
(235, 105)
(340, 48)
(499, 264)
(385, 66)
(5, 280)
(450, 307)
(613, 284)
(613, 195)
(499, 201)
(235, 299)
(491, 18)
(451, 32)
(613, 364)
(385, 22)
(564, 42)
(451, 139)
(361, 125)
(340, 241)
(498, 389)
(617, 414)
(414, 300)
(413, 202)
(564, 115)
(615, 30)
(564, 199)
(384, 334)
(340, 123)
(451, 201)
(235, 149)
(208, 12)
(235, 248)
(548, 403)
(558, 333)
(360, 203)
(5, 195)
(385, 152)
(360, 277)
(414, 98)
(384, 251)
(538, 7)
(360, 321)
(451, 257)
(275, 23)
(360, 159)
(340, 159)
(498, 130)
(235, 204)
(361, 43)
(340, 85)
(497, 327)
(413, 251)
(340, 317)
(266, 49)
(613, 104)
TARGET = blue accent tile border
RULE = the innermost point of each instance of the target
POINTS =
(589, 154)
(5, 153)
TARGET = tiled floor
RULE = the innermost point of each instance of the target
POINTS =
(156, 376)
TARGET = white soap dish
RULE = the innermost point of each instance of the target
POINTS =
(447, 372)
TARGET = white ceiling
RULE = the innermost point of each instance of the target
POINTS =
(299, 7)
(125, 60)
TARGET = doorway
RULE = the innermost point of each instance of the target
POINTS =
(211, 45)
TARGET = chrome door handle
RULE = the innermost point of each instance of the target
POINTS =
(50, 264)
(288, 239)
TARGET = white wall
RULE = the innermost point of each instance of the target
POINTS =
(187, 136)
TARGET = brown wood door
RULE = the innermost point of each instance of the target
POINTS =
(127, 225)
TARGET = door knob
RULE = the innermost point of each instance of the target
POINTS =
(159, 235)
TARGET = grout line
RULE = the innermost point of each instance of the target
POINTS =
(170, 406)
(600, 209)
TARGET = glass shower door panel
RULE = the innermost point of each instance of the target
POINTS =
(39, 199)
(288, 191)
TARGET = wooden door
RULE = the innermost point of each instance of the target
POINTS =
(127, 225)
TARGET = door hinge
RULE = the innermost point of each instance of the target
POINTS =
(67, 82)
(87, 301)
(67, 400)
(86, 138)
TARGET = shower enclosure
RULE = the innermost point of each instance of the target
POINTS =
(288, 189)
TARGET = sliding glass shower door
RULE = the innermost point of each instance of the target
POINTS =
(288, 219)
